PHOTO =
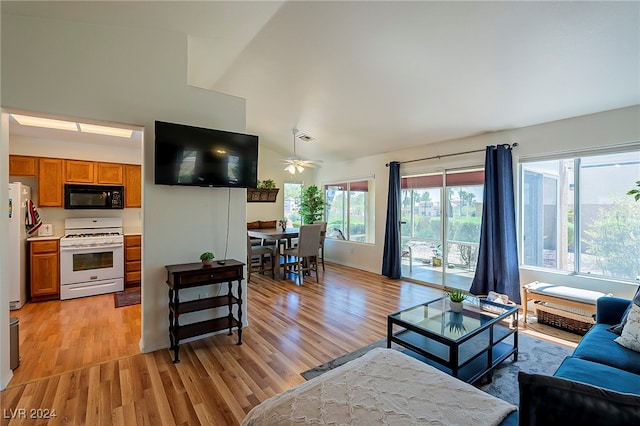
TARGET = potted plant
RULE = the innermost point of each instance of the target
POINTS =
(266, 184)
(436, 260)
(311, 205)
(265, 191)
(207, 258)
(456, 297)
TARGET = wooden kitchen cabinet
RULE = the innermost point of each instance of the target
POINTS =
(50, 183)
(45, 270)
(20, 165)
(109, 173)
(132, 260)
(78, 171)
(132, 185)
(53, 173)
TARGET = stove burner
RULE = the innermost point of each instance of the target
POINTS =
(95, 234)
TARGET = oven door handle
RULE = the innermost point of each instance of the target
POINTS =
(69, 248)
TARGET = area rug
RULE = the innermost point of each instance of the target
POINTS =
(534, 356)
(128, 297)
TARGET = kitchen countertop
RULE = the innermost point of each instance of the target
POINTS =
(45, 238)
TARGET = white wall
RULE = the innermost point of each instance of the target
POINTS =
(590, 131)
(88, 149)
(5, 372)
(128, 76)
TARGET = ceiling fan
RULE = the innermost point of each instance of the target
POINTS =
(295, 164)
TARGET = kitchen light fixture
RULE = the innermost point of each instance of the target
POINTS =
(105, 130)
(294, 164)
(50, 123)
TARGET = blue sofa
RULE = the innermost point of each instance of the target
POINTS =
(599, 384)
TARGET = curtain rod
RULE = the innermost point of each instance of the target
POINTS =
(451, 155)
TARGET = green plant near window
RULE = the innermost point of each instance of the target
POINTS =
(312, 205)
(635, 193)
(612, 237)
(266, 184)
(437, 251)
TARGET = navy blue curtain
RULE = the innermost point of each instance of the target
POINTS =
(391, 254)
(497, 268)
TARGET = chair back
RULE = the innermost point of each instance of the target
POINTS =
(309, 240)
(323, 231)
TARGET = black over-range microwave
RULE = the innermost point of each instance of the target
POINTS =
(93, 196)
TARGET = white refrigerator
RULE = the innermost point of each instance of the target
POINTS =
(19, 195)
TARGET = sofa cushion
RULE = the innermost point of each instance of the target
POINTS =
(630, 337)
(265, 224)
(596, 374)
(610, 310)
(598, 345)
(253, 225)
(618, 327)
(548, 400)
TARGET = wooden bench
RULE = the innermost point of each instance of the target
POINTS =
(569, 297)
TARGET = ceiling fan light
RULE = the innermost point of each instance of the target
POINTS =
(291, 169)
(299, 168)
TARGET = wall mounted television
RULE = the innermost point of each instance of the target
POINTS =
(195, 156)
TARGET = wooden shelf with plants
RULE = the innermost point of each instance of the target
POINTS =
(266, 192)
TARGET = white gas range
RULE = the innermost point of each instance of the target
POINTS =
(91, 257)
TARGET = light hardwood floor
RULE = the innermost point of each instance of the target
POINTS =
(89, 370)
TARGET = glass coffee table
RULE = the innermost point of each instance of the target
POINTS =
(468, 345)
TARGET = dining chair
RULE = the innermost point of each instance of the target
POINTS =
(323, 234)
(406, 251)
(256, 255)
(304, 257)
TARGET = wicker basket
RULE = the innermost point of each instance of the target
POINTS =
(570, 321)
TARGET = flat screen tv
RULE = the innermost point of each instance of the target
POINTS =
(195, 156)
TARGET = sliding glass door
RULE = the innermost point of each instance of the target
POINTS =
(440, 227)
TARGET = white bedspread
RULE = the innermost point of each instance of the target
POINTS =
(383, 387)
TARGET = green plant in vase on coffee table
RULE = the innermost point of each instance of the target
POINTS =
(456, 297)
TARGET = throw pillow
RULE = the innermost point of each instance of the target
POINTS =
(630, 337)
(618, 327)
(550, 400)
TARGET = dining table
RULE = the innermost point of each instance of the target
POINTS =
(275, 234)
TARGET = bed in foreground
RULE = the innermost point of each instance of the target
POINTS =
(387, 387)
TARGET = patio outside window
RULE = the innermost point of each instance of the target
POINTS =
(576, 216)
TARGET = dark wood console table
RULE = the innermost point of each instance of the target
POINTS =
(189, 275)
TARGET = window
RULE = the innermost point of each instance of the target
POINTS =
(292, 195)
(350, 210)
(576, 216)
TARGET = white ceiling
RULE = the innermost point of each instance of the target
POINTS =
(367, 77)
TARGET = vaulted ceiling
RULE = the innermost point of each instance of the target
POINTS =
(367, 77)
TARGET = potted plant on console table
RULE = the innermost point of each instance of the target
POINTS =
(207, 258)
(265, 192)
